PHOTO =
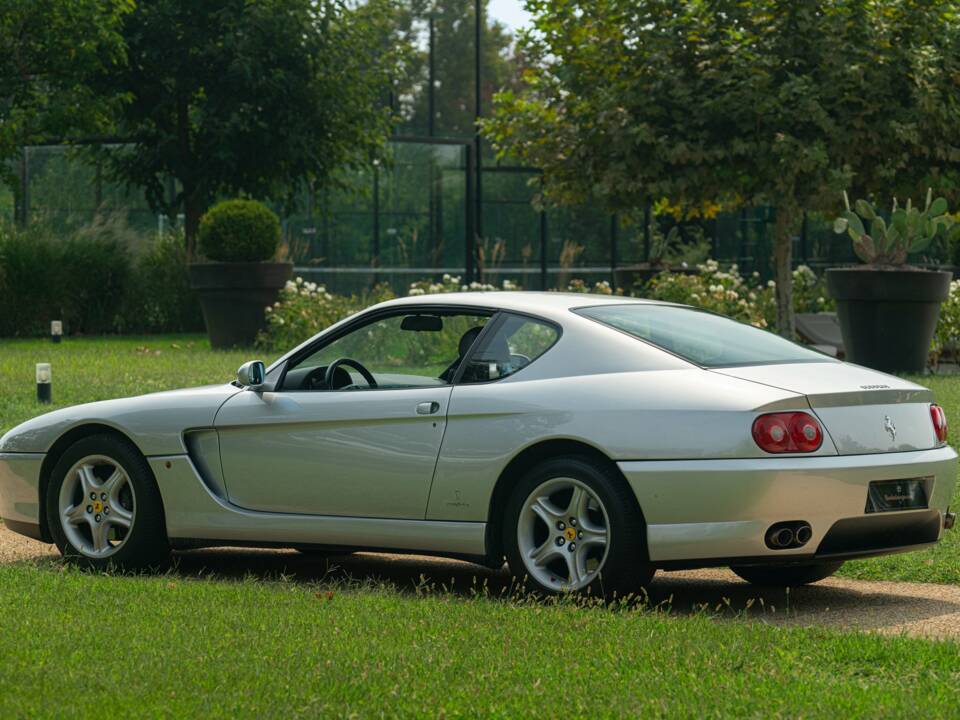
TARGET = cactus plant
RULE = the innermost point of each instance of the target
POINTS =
(910, 230)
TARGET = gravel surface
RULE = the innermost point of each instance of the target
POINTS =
(931, 611)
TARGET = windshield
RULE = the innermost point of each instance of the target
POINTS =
(701, 337)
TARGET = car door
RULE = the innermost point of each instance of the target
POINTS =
(348, 448)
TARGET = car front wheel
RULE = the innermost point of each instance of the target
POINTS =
(786, 575)
(572, 526)
(104, 508)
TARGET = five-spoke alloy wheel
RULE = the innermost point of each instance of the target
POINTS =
(562, 534)
(97, 506)
(104, 508)
(573, 525)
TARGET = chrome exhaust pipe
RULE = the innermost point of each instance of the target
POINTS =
(803, 534)
(781, 538)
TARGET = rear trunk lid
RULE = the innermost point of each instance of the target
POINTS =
(863, 411)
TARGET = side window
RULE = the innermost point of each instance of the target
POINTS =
(516, 343)
(412, 349)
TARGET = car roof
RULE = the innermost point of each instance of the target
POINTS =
(547, 303)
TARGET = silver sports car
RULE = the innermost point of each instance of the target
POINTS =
(588, 440)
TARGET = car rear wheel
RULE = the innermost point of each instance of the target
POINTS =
(786, 575)
(572, 526)
(103, 506)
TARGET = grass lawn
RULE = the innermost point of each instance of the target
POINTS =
(85, 645)
(81, 644)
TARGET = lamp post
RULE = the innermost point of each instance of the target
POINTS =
(44, 384)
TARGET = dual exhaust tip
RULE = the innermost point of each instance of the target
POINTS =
(788, 535)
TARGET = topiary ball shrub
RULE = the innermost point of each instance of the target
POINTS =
(239, 231)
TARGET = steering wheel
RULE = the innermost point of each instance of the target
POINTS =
(349, 362)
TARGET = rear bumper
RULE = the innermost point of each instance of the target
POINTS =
(713, 512)
(20, 490)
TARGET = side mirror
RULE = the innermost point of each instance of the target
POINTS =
(250, 375)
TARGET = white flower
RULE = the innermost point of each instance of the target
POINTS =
(771, 284)
(268, 309)
(299, 281)
(446, 277)
(290, 285)
(417, 291)
(821, 300)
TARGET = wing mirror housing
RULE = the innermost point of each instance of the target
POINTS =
(250, 375)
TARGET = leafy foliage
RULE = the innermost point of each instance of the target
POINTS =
(80, 280)
(305, 308)
(159, 298)
(910, 230)
(239, 231)
(99, 279)
(729, 293)
(49, 50)
(730, 102)
(250, 98)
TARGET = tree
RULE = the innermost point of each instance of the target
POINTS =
(250, 97)
(49, 50)
(453, 64)
(772, 102)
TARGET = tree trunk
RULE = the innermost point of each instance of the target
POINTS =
(783, 271)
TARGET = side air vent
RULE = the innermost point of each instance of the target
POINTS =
(203, 447)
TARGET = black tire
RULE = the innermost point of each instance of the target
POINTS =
(786, 575)
(626, 568)
(146, 546)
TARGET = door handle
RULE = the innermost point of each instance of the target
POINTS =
(427, 408)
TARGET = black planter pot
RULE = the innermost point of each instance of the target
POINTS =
(888, 317)
(233, 297)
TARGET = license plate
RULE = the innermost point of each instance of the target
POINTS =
(890, 495)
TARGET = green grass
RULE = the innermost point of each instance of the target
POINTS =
(99, 368)
(83, 645)
(86, 645)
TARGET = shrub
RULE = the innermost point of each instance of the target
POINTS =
(305, 308)
(159, 298)
(742, 298)
(81, 280)
(239, 231)
(946, 339)
(717, 290)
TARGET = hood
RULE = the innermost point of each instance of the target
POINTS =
(154, 422)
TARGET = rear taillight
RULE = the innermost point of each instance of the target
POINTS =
(939, 418)
(793, 432)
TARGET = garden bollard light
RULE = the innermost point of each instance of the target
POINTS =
(56, 330)
(44, 394)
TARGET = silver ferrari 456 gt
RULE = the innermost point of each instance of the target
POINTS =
(588, 440)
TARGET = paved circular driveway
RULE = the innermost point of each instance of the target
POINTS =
(931, 611)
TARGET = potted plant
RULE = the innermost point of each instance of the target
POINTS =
(238, 238)
(888, 310)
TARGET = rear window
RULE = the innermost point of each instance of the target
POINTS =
(701, 337)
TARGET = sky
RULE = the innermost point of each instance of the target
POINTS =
(509, 12)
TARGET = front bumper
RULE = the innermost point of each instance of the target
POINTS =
(708, 512)
(20, 492)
